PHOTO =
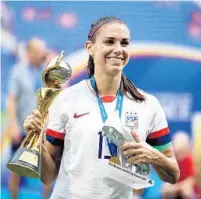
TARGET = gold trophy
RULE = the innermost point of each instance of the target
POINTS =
(27, 159)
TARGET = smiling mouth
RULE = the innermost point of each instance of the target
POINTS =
(116, 58)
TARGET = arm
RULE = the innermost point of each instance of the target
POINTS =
(11, 112)
(51, 154)
(166, 165)
(14, 88)
(53, 138)
(160, 141)
(50, 162)
(157, 150)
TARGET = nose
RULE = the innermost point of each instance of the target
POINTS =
(118, 49)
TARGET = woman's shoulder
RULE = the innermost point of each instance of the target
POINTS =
(73, 90)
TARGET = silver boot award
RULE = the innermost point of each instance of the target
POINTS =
(132, 175)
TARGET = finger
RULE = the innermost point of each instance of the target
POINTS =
(32, 124)
(37, 127)
(32, 117)
(136, 137)
(34, 121)
(46, 114)
(28, 127)
(131, 152)
(38, 121)
(128, 152)
(137, 159)
(36, 113)
(140, 161)
(128, 145)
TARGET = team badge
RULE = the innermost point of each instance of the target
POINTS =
(131, 120)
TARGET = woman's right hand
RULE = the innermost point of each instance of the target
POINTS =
(33, 122)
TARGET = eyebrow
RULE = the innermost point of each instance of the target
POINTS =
(114, 38)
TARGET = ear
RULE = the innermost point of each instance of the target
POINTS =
(88, 47)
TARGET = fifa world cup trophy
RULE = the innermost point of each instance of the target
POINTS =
(27, 159)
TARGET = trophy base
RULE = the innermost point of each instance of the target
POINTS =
(26, 162)
(124, 176)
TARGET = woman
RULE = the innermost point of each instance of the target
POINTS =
(78, 114)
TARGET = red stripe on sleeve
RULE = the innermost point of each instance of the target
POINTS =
(159, 133)
(55, 134)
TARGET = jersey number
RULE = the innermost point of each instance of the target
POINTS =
(100, 147)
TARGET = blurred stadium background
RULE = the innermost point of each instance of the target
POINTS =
(166, 59)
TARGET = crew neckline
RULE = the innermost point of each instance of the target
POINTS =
(105, 99)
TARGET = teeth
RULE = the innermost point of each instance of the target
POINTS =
(114, 59)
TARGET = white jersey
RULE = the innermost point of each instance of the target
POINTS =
(75, 118)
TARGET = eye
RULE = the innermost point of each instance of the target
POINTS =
(125, 43)
(109, 41)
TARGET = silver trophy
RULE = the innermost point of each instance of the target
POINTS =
(119, 138)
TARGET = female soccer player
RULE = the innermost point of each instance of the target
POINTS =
(74, 144)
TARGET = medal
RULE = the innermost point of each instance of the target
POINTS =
(115, 160)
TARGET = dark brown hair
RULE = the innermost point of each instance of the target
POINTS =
(127, 87)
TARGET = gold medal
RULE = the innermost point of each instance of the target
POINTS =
(115, 160)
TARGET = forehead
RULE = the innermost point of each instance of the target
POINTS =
(115, 30)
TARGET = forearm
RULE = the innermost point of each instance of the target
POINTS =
(49, 168)
(13, 126)
(11, 110)
(166, 167)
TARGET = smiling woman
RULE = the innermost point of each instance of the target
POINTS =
(78, 114)
(109, 50)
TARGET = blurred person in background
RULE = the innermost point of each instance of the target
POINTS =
(24, 81)
(186, 187)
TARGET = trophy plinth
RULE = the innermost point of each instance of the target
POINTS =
(26, 162)
(27, 159)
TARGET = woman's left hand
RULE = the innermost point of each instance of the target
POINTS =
(139, 152)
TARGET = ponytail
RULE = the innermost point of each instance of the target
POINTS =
(90, 67)
(128, 89)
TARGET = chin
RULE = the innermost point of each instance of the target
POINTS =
(115, 70)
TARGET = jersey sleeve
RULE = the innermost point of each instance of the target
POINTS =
(159, 136)
(57, 119)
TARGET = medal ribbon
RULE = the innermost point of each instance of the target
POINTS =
(112, 147)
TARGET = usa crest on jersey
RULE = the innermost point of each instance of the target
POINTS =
(131, 120)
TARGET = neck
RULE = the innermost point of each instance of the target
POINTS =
(35, 66)
(32, 63)
(107, 85)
